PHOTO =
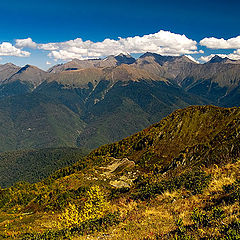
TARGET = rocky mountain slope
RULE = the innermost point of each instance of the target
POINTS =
(17, 81)
(85, 107)
(76, 64)
(99, 101)
(7, 70)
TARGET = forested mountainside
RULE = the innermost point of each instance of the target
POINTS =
(88, 103)
(177, 179)
(36, 164)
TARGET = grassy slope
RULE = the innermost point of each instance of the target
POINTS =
(181, 163)
(180, 130)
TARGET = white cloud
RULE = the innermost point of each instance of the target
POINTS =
(192, 58)
(48, 63)
(237, 51)
(162, 42)
(207, 58)
(234, 56)
(216, 43)
(7, 49)
(48, 46)
(28, 42)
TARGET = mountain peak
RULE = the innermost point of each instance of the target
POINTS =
(28, 67)
(187, 59)
(9, 64)
(124, 55)
(30, 74)
(149, 54)
(217, 59)
(124, 59)
(160, 59)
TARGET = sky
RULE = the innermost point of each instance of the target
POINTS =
(48, 32)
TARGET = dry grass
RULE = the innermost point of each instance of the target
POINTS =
(221, 176)
(144, 218)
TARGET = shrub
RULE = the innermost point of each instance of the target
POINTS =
(233, 191)
(116, 192)
(231, 231)
(96, 204)
(195, 181)
(200, 218)
(217, 213)
(204, 219)
(95, 207)
(180, 227)
(70, 216)
(80, 229)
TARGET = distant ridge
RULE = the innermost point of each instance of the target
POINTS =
(92, 102)
(110, 61)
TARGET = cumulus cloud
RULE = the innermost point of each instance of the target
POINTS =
(48, 63)
(28, 42)
(162, 42)
(192, 58)
(216, 43)
(7, 49)
(49, 46)
(234, 56)
(237, 51)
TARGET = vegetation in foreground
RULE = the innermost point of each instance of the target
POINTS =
(140, 188)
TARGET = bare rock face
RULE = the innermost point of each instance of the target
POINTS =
(119, 173)
(119, 184)
(76, 64)
(7, 70)
(118, 165)
(29, 74)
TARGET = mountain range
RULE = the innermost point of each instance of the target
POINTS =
(88, 103)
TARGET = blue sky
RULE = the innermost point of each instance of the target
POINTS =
(140, 24)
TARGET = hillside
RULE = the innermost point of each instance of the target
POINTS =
(37, 121)
(177, 179)
(113, 109)
(92, 102)
(86, 107)
(100, 101)
(34, 165)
